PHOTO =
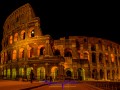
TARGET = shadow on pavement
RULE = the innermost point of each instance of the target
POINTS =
(34, 87)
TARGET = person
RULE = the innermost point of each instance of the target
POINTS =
(50, 78)
(31, 76)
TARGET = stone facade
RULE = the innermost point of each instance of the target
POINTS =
(78, 57)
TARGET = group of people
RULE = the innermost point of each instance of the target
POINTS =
(32, 77)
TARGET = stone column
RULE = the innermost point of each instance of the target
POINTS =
(25, 53)
(17, 71)
(110, 66)
(75, 71)
(35, 70)
(11, 72)
(90, 64)
(46, 69)
(105, 70)
(25, 71)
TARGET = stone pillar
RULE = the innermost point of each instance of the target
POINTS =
(75, 71)
(98, 73)
(35, 69)
(25, 71)
(105, 70)
(35, 52)
(11, 72)
(25, 53)
(46, 69)
(17, 71)
(105, 74)
(90, 63)
(97, 60)
(110, 66)
(48, 50)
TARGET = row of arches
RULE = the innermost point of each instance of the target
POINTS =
(101, 74)
(41, 73)
(67, 53)
(21, 36)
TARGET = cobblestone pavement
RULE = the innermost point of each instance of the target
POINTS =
(20, 85)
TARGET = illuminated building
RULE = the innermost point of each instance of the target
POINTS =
(79, 57)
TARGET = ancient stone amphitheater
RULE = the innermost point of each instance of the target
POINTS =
(25, 48)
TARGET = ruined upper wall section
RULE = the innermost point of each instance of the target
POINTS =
(20, 16)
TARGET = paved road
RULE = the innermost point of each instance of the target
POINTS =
(19, 85)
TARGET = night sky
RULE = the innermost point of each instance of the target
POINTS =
(67, 17)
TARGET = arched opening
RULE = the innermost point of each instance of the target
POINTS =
(5, 72)
(81, 74)
(112, 58)
(57, 52)
(21, 55)
(101, 74)
(93, 48)
(23, 35)
(40, 73)
(94, 74)
(28, 72)
(69, 73)
(16, 37)
(31, 52)
(93, 57)
(14, 54)
(54, 72)
(13, 73)
(21, 72)
(9, 56)
(42, 50)
(11, 39)
(106, 58)
(32, 33)
(100, 57)
(8, 73)
(67, 53)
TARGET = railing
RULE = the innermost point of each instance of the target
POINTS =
(106, 85)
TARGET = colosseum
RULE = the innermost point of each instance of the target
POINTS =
(25, 48)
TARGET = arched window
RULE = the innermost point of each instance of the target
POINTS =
(93, 48)
(21, 53)
(9, 55)
(15, 37)
(32, 33)
(57, 52)
(23, 35)
(11, 38)
(42, 50)
(14, 54)
(112, 58)
(106, 58)
(94, 73)
(100, 57)
(93, 57)
(67, 53)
